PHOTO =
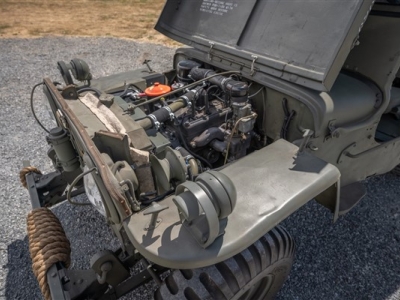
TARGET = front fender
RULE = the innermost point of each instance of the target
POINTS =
(271, 184)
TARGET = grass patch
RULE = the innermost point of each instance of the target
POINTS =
(118, 18)
(106, 17)
(3, 27)
(34, 32)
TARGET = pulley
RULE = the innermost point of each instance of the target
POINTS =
(172, 167)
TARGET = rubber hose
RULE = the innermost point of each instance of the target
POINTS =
(147, 123)
(238, 90)
(194, 168)
(89, 89)
(202, 159)
(161, 114)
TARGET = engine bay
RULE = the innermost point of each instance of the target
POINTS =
(179, 125)
(211, 119)
(157, 130)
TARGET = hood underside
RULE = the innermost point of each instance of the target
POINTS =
(303, 41)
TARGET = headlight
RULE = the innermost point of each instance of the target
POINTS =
(93, 193)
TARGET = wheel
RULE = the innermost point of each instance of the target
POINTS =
(257, 273)
(396, 170)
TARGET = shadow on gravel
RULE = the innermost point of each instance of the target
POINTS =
(20, 277)
(87, 232)
(358, 257)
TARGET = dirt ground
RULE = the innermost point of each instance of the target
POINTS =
(132, 19)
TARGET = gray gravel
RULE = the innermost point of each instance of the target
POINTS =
(356, 258)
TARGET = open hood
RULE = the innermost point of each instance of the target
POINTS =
(302, 41)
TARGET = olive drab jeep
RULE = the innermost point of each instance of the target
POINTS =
(273, 104)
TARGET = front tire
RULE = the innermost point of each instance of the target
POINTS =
(256, 273)
(396, 171)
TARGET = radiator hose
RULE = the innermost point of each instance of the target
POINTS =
(164, 113)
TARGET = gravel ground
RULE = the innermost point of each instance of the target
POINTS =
(356, 258)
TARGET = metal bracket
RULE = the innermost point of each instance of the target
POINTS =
(129, 191)
(252, 68)
(332, 129)
(307, 133)
(209, 51)
(70, 92)
(67, 284)
(355, 42)
(105, 268)
(109, 268)
(154, 210)
(154, 275)
(61, 119)
(46, 189)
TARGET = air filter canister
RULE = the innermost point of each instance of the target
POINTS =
(157, 90)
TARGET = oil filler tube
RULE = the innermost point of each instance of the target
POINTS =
(59, 139)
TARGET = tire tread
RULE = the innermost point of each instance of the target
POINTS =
(223, 280)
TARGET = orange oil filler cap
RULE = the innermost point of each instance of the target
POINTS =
(157, 90)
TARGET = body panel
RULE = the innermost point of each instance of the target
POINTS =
(271, 184)
(305, 42)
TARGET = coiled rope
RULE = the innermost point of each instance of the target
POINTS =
(48, 243)
(26, 171)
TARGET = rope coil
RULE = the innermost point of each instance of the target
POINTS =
(48, 245)
(26, 171)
